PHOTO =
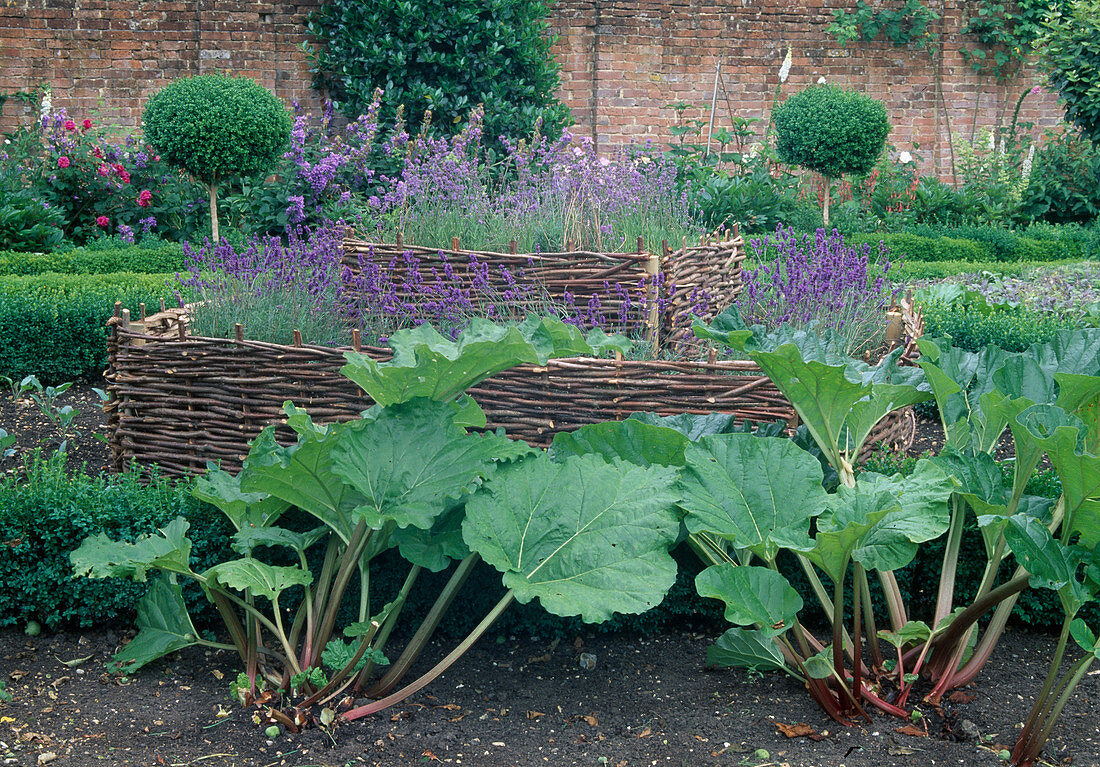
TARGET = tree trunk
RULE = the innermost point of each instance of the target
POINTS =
(825, 205)
(214, 211)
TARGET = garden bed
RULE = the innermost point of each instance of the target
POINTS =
(180, 401)
(511, 702)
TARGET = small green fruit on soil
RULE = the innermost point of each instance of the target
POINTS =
(33, 628)
(272, 731)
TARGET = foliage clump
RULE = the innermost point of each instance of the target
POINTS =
(442, 56)
(832, 131)
(1071, 56)
(216, 127)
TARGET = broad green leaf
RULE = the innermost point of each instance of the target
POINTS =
(163, 627)
(338, 654)
(426, 364)
(913, 632)
(586, 537)
(1038, 551)
(248, 538)
(1085, 637)
(223, 491)
(742, 648)
(922, 515)
(630, 440)
(821, 394)
(979, 475)
(1022, 378)
(884, 399)
(302, 474)
(1080, 395)
(748, 489)
(695, 426)
(436, 548)
(820, 665)
(851, 513)
(409, 463)
(753, 596)
(168, 549)
(258, 578)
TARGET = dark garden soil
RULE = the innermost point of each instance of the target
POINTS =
(32, 429)
(511, 702)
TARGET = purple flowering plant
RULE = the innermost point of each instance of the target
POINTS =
(818, 282)
(273, 288)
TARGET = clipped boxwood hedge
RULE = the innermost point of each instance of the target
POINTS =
(911, 247)
(147, 259)
(973, 328)
(934, 270)
(54, 325)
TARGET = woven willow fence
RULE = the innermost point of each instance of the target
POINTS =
(179, 401)
(711, 268)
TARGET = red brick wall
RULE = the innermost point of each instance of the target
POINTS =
(623, 61)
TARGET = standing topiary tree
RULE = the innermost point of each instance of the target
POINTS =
(832, 131)
(446, 56)
(215, 127)
(1071, 58)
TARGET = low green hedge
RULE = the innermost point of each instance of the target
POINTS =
(973, 328)
(54, 325)
(157, 258)
(933, 270)
(907, 247)
(1039, 243)
(49, 514)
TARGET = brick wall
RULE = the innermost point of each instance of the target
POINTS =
(623, 61)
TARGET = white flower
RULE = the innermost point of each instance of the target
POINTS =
(47, 104)
(1025, 169)
(992, 141)
(821, 80)
(905, 158)
(604, 162)
(785, 70)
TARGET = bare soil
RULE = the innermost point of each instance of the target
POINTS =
(512, 701)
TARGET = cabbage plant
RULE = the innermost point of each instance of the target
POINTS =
(583, 536)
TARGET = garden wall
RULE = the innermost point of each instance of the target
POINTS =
(623, 62)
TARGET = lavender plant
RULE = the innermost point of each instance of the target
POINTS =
(819, 283)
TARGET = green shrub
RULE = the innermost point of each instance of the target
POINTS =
(54, 325)
(972, 328)
(908, 271)
(1064, 185)
(444, 55)
(152, 258)
(49, 513)
(26, 223)
(216, 127)
(908, 248)
(1070, 55)
(831, 131)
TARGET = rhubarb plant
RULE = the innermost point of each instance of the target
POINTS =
(581, 535)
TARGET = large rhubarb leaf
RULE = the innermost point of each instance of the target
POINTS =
(223, 490)
(426, 364)
(168, 549)
(753, 595)
(631, 440)
(434, 549)
(922, 515)
(695, 426)
(302, 474)
(743, 648)
(411, 461)
(163, 627)
(851, 514)
(749, 489)
(586, 537)
(258, 578)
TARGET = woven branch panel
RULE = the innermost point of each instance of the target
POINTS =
(711, 267)
(180, 401)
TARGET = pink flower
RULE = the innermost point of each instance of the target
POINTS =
(97, 152)
(104, 170)
(63, 162)
(102, 221)
(125, 176)
(87, 124)
(144, 198)
(70, 125)
(1036, 90)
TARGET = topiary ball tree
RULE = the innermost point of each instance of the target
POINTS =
(832, 131)
(214, 127)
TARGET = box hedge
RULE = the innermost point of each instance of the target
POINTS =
(54, 325)
(111, 257)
